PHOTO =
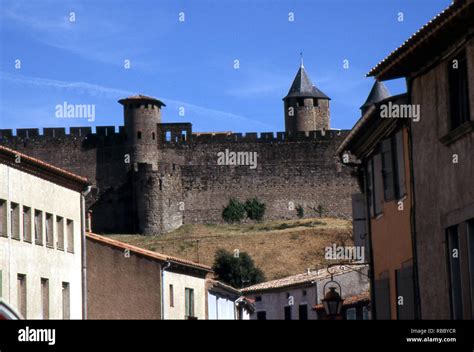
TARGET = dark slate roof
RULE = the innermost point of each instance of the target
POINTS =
(303, 87)
(142, 98)
(378, 93)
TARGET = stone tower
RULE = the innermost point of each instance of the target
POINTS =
(141, 116)
(306, 107)
(378, 93)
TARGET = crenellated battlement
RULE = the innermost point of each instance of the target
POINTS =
(60, 132)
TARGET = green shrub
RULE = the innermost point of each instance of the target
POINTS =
(300, 211)
(255, 209)
(234, 211)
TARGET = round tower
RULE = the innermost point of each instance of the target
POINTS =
(306, 107)
(141, 116)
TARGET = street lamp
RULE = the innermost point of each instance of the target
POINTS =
(332, 301)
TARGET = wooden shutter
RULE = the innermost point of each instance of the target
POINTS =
(401, 188)
(382, 299)
(387, 170)
(405, 289)
(370, 187)
(378, 186)
(359, 233)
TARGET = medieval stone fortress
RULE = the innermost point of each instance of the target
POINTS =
(151, 177)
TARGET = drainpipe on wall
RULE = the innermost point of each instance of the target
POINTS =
(163, 268)
(84, 193)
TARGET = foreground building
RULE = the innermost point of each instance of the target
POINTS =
(298, 297)
(41, 227)
(382, 213)
(128, 282)
(431, 227)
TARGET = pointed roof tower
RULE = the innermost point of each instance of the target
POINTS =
(378, 93)
(302, 86)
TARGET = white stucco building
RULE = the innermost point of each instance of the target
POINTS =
(298, 297)
(41, 209)
(184, 295)
(221, 301)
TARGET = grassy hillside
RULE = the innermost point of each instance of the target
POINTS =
(279, 248)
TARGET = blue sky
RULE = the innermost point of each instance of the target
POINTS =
(191, 63)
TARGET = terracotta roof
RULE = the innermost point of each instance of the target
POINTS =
(302, 279)
(147, 253)
(28, 161)
(364, 296)
(216, 283)
(436, 26)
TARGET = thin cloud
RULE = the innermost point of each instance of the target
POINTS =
(96, 90)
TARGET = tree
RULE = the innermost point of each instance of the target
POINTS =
(237, 270)
(234, 211)
(255, 209)
(300, 211)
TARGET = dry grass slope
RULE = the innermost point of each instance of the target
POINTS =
(279, 248)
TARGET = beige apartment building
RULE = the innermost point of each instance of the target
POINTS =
(40, 238)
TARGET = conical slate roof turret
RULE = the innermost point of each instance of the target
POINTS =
(302, 87)
(378, 93)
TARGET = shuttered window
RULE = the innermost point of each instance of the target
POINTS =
(359, 231)
(387, 170)
(405, 294)
(382, 299)
(459, 91)
(370, 186)
(455, 271)
(378, 184)
(400, 188)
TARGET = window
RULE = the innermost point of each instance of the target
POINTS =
(153, 135)
(258, 298)
(189, 302)
(288, 313)
(21, 294)
(49, 230)
(304, 293)
(470, 234)
(60, 231)
(38, 227)
(382, 297)
(351, 314)
(455, 271)
(168, 136)
(387, 170)
(303, 311)
(365, 313)
(406, 290)
(66, 301)
(27, 224)
(374, 184)
(299, 102)
(139, 135)
(400, 189)
(262, 315)
(45, 298)
(171, 296)
(15, 220)
(458, 91)
(70, 235)
(3, 218)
